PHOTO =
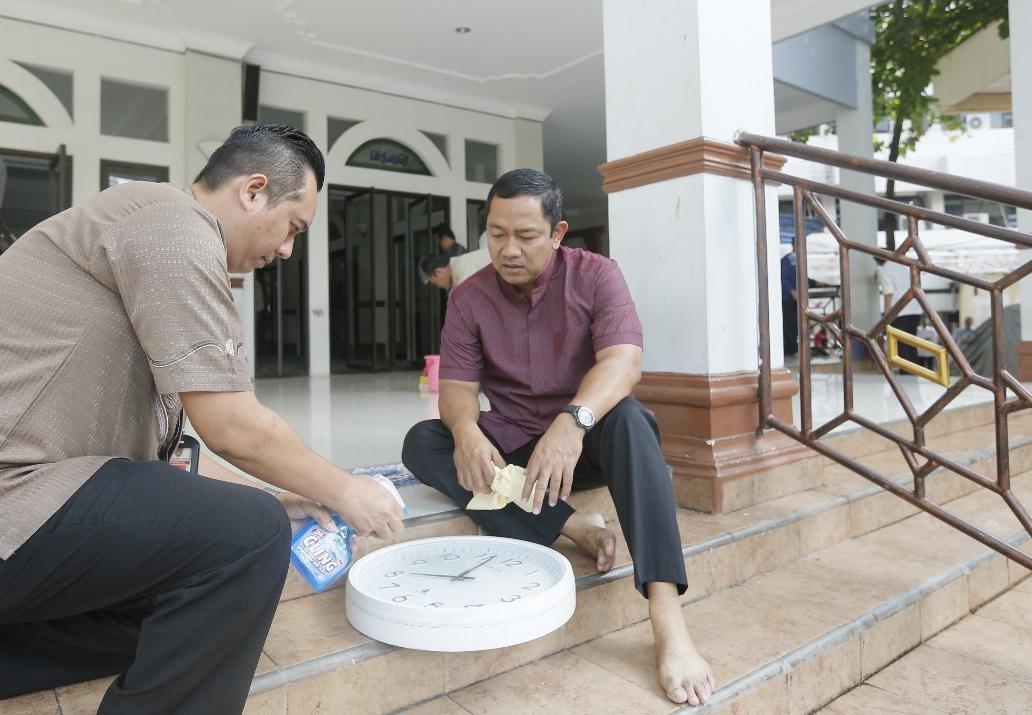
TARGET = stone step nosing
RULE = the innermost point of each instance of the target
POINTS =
(765, 525)
(754, 680)
(371, 649)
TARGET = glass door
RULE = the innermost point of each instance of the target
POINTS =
(382, 317)
(281, 315)
(33, 187)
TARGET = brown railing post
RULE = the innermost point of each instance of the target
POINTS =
(763, 287)
(804, 191)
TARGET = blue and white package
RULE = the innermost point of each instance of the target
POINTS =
(322, 557)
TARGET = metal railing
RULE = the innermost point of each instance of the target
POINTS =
(840, 324)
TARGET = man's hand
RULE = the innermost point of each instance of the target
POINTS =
(369, 508)
(299, 507)
(474, 457)
(552, 463)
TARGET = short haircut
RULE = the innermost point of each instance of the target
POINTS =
(282, 153)
(429, 264)
(443, 229)
(530, 182)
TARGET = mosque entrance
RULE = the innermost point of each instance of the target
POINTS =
(382, 316)
(33, 187)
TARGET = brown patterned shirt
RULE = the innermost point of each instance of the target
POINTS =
(107, 312)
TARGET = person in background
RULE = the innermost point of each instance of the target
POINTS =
(965, 335)
(926, 358)
(446, 241)
(894, 282)
(789, 305)
(446, 273)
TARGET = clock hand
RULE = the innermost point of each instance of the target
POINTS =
(460, 577)
(473, 567)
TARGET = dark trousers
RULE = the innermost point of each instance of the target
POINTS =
(790, 325)
(622, 451)
(166, 579)
(908, 324)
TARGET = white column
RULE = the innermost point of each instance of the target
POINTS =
(1021, 99)
(319, 265)
(529, 143)
(855, 129)
(677, 70)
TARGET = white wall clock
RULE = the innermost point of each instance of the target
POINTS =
(460, 593)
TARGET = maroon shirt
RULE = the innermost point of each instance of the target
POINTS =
(530, 355)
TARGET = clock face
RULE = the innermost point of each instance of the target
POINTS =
(452, 574)
(460, 593)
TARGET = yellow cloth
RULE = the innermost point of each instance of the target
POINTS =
(507, 486)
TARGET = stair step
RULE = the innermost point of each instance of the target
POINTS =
(981, 664)
(314, 656)
(791, 640)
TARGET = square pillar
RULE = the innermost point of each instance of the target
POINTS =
(681, 227)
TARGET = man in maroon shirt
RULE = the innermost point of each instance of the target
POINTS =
(551, 336)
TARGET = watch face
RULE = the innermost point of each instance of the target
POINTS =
(457, 575)
(586, 417)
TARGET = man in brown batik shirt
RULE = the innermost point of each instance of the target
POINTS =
(115, 316)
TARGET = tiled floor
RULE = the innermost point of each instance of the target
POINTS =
(983, 664)
(355, 420)
(359, 420)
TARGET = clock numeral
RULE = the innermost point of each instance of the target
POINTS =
(400, 599)
(474, 605)
(513, 597)
(512, 562)
(423, 590)
(531, 586)
(449, 557)
(532, 572)
(435, 604)
(392, 574)
(393, 585)
(418, 562)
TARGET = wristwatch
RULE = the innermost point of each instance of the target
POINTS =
(583, 416)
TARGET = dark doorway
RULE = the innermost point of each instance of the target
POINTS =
(382, 316)
(33, 187)
(281, 315)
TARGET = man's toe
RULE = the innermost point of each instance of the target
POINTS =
(693, 699)
(678, 694)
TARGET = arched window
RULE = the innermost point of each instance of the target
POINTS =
(388, 155)
(15, 109)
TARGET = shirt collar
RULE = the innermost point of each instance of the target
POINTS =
(540, 283)
(189, 191)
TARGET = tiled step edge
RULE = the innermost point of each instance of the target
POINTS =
(754, 681)
(372, 649)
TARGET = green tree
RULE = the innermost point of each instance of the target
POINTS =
(911, 36)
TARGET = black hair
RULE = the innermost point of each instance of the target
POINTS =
(429, 264)
(443, 229)
(279, 151)
(530, 182)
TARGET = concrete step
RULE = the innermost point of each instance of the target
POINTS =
(791, 640)
(317, 663)
(981, 664)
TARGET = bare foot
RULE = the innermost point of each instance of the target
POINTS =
(683, 674)
(589, 532)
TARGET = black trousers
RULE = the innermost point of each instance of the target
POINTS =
(622, 451)
(908, 324)
(790, 326)
(166, 579)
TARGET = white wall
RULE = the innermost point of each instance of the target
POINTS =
(191, 78)
(89, 58)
